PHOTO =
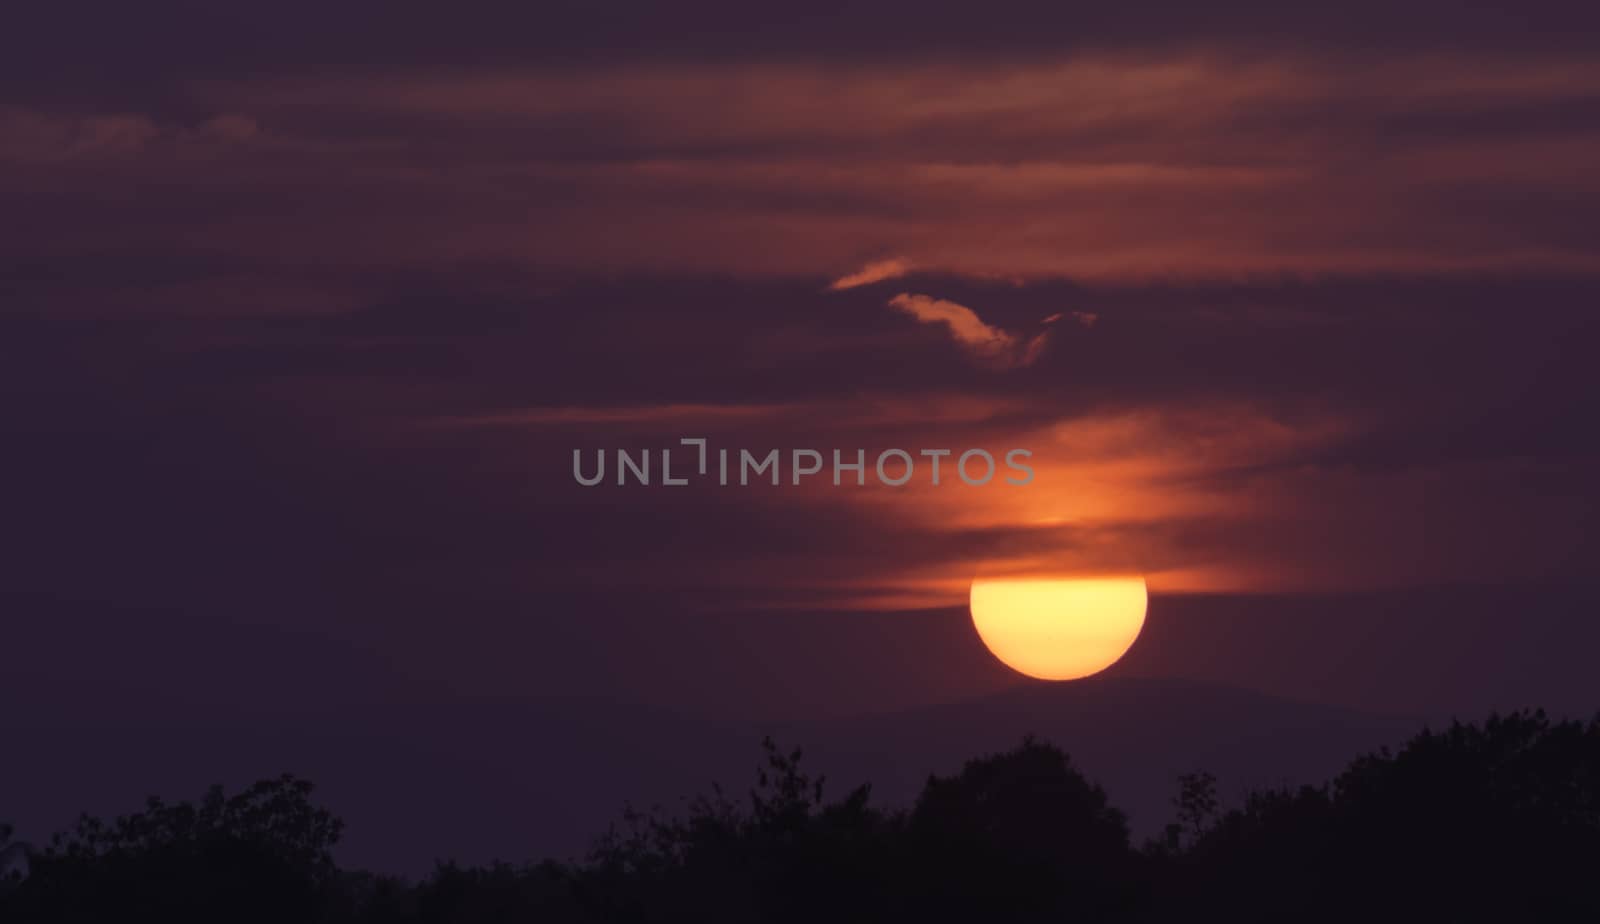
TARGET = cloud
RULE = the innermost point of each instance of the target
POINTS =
(1210, 164)
(878, 412)
(877, 271)
(990, 345)
(1120, 489)
(632, 414)
(40, 137)
(1084, 318)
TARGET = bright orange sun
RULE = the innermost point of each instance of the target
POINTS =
(1059, 628)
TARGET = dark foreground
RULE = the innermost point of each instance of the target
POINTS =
(1492, 821)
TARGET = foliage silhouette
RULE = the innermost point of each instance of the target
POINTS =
(1491, 821)
(262, 855)
(1019, 835)
(790, 855)
(1498, 820)
(14, 858)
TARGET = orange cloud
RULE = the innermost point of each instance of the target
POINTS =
(1209, 164)
(1114, 492)
(991, 346)
(1084, 318)
(871, 273)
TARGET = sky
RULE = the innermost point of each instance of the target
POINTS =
(304, 312)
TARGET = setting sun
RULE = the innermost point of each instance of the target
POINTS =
(1058, 628)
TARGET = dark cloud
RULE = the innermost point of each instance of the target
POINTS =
(108, 52)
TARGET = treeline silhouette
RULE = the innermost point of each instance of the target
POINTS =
(1498, 820)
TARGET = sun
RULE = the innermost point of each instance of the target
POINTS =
(1059, 628)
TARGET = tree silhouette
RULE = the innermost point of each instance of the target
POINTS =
(1017, 835)
(1492, 821)
(1498, 821)
(789, 856)
(1196, 806)
(262, 855)
(14, 858)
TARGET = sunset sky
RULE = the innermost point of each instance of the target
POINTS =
(304, 309)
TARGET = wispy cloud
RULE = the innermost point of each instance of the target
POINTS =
(631, 414)
(1083, 318)
(877, 271)
(859, 411)
(990, 345)
(39, 137)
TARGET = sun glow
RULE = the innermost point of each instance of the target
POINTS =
(1059, 628)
